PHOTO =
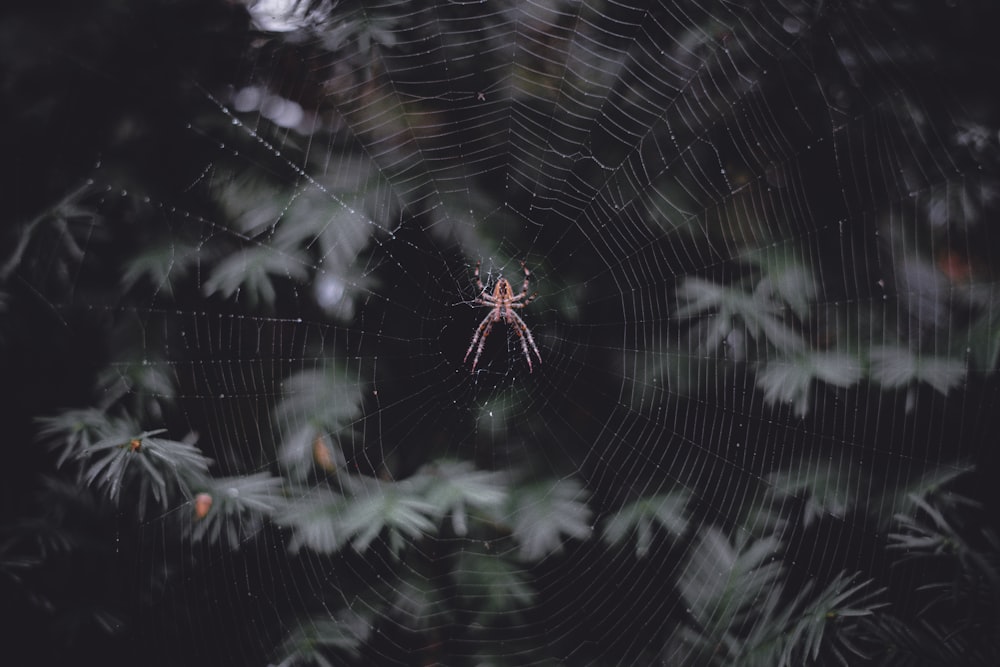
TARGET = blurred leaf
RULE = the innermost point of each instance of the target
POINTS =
(251, 271)
(895, 367)
(163, 266)
(297, 455)
(790, 379)
(66, 229)
(326, 521)
(493, 587)
(336, 236)
(698, 296)
(311, 518)
(250, 202)
(316, 637)
(785, 279)
(722, 583)
(920, 643)
(392, 507)
(147, 384)
(340, 232)
(938, 532)
(65, 515)
(156, 465)
(316, 404)
(362, 32)
(737, 596)
(818, 625)
(960, 556)
(237, 508)
(546, 511)
(17, 557)
(922, 290)
(326, 398)
(455, 487)
(421, 603)
(835, 368)
(787, 381)
(72, 431)
(931, 481)
(984, 339)
(799, 631)
(641, 517)
(930, 533)
(827, 486)
(724, 307)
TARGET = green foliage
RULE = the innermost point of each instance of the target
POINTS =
(827, 487)
(317, 405)
(72, 431)
(743, 614)
(116, 457)
(421, 603)
(758, 313)
(984, 336)
(310, 517)
(785, 280)
(723, 583)
(364, 508)
(326, 639)
(236, 507)
(163, 265)
(938, 530)
(772, 308)
(382, 506)
(933, 481)
(545, 514)
(812, 625)
(128, 379)
(68, 226)
(495, 589)
(457, 489)
(251, 272)
(921, 644)
(153, 465)
(641, 518)
(789, 380)
(896, 367)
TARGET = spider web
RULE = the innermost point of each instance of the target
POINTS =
(766, 318)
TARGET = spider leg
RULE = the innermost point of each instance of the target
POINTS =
(479, 282)
(524, 335)
(524, 290)
(480, 336)
(527, 278)
(522, 304)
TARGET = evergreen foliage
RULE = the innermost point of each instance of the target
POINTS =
(135, 465)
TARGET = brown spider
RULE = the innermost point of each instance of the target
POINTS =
(503, 304)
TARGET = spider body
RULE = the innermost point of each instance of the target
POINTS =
(504, 304)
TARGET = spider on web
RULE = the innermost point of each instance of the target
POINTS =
(503, 304)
